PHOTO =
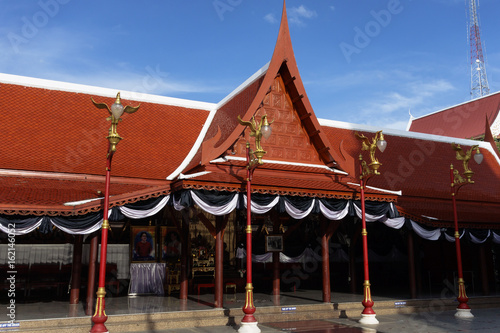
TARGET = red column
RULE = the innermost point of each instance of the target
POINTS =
(484, 269)
(76, 270)
(325, 254)
(183, 293)
(276, 267)
(411, 266)
(94, 245)
(352, 260)
(219, 262)
(276, 278)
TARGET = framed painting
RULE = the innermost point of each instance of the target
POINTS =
(170, 244)
(143, 243)
(274, 243)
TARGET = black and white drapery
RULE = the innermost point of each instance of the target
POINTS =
(222, 203)
(82, 225)
(71, 225)
(476, 236)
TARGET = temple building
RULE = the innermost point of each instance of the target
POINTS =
(177, 200)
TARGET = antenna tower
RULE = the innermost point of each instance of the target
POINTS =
(479, 81)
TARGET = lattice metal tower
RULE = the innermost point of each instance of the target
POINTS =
(479, 81)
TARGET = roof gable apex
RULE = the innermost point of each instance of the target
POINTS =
(282, 64)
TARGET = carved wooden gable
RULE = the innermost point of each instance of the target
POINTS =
(289, 140)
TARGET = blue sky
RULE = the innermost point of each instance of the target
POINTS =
(414, 54)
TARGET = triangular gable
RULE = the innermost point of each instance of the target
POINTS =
(290, 140)
(282, 65)
(488, 137)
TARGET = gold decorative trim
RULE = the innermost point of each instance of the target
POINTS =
(83, 211)
(229, 188)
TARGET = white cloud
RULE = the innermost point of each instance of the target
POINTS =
(270, 18)
(297, 14)
(415, 95)
(68, 56)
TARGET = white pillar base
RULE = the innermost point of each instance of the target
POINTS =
(368, 319)
(463, 313)
(249, 328)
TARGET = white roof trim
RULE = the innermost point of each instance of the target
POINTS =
(194, 175)
(105, 92)
(242, 86)
(210, 118)
(195, 147)
(380, 189)
(454, 106)
(410, 121)
(411, 135)
(81, 202)
(235, 158)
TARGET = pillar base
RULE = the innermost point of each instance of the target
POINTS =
(368, 319)
(100, 330)
(463, 314)
(250, 327)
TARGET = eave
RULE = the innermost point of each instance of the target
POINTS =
(275, 178)
(58, 194)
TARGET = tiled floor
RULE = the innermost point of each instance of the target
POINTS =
(485, 320)
(316, 326)
(153, 304)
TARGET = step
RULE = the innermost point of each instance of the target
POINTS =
(285, 313)
(354, 309)
(130, 322)
(233, 316)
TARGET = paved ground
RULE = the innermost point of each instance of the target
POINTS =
(485, 320)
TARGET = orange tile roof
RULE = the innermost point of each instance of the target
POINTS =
(466, 120)
(419, 166)
(59, 131)
(52, 131)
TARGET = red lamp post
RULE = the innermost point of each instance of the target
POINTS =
(254, 159)
(368, 316)
(457, 181)
(116, 111)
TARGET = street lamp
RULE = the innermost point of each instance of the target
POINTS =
(254, 159)
(116, 111)
(366, 171)
(457, 181)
